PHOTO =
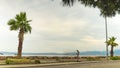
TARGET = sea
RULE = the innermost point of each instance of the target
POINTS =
(55, 55)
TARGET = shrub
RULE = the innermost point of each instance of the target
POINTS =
(115, 58)
(17, 61)
(93, 58)
(58, 59)
(9, 61)
(37, 61)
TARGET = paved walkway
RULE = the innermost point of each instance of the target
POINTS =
(44, 65)
(90, 65)
(85, 64)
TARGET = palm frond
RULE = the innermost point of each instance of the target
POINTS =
(20, 23)
(108, 8)
(11, 22)
(112, 42)
(68, 2)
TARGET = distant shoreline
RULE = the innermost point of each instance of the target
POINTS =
(61, 55)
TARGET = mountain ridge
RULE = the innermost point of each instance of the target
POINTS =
(116, 52)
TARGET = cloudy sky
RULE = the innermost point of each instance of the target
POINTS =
(56, 28)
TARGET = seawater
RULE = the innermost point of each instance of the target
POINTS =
(56, 55)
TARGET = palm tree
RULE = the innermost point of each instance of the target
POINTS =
(108, 8)
(112, 43)
(22, 24)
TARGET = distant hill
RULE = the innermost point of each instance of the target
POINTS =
(86, 53)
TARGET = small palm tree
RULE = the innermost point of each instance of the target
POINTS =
(22, 24)
(111, 42)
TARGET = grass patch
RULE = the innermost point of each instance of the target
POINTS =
(37, 61)
(93, 59)
(22, 61)
(115, 58)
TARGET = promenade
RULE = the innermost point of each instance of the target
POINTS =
(87, 64)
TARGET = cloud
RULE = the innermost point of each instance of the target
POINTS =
(58, 29)
(85, 44)
(55, 28)
(92, 40)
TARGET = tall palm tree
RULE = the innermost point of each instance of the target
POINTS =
(22, 24)
(112, 43)
(108, 8)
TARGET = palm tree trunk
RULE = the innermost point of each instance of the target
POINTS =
(21, 36)
(106, 31)
(111, 52)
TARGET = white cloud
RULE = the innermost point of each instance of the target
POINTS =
(92, 40)
(55, 28)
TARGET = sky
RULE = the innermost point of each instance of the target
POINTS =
(56, 28)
